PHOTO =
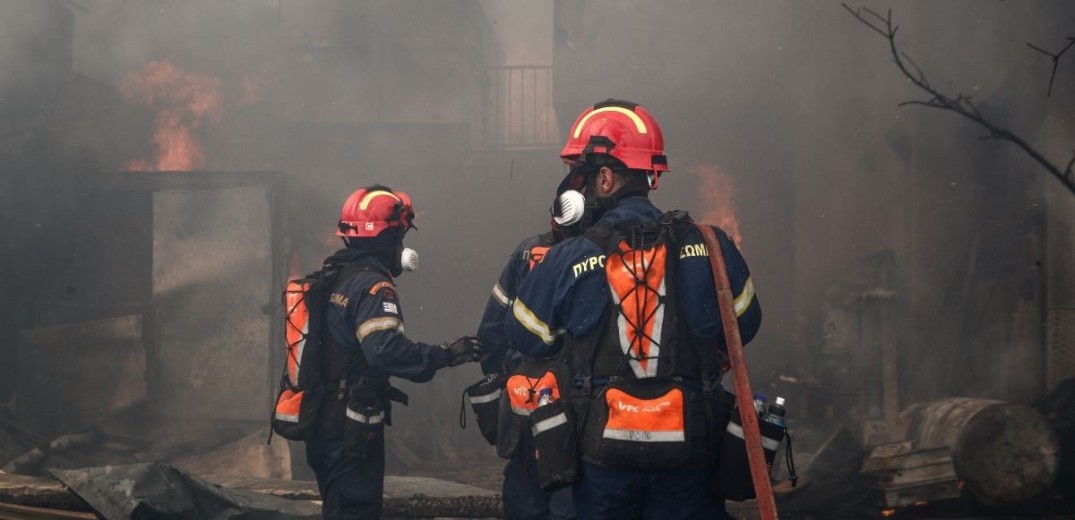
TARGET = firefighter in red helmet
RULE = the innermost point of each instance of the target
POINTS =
(523, 497)
(366, 346)
(630, 306)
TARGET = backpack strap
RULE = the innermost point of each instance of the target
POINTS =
(602, 234)
(335, 275)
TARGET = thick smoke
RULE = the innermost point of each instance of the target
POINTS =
(795, 102)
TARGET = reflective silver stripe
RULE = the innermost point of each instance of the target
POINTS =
(767, 443)
(520, 411)
(378, 324)
(365, 419)
(545, 425)
(500, 295)
(644, 436)
(742, 302)
(532, 323)
(286, 417)
(488, 398)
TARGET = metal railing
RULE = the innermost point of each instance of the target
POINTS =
(517, 108)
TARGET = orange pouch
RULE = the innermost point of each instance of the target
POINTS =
(639, 425)
(296, 411)
(521, 399)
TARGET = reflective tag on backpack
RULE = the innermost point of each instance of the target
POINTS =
(635, 419)
(637, 280)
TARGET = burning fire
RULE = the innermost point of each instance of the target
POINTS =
(716, 192)
(183, 101)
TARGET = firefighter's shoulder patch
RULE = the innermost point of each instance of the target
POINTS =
(385, 289)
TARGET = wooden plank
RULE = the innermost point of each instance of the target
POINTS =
(17, 512)
(911, 495)
(38, 492)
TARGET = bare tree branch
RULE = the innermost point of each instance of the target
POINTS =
(921, 75)
(1056, 61)
(960, 104)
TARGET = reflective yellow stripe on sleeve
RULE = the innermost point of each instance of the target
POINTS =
(500, 295)
(742, 302)
(378, 324)
(531, 322)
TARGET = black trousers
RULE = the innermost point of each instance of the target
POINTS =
(627, 494)
(523, 497)
(351, 488)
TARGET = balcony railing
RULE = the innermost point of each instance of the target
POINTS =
(518, 108)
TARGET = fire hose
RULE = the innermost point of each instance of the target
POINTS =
(759, 471)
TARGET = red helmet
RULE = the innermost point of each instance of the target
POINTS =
(621, 129)
(369, 211)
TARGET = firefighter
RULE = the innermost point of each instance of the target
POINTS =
(524, 499)
(367, 344)
(633, 303)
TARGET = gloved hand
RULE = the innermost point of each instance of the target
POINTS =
(464, 349)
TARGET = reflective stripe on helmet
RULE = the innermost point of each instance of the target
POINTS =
(639, 125)
(365, 202)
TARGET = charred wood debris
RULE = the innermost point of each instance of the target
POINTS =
(959, 458)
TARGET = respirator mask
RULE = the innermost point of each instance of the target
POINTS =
(408, 259)
(399, 259)
(576, 207)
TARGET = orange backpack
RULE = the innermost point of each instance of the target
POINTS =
(302, 385)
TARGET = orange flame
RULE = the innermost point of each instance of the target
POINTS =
(183, 101)
(716, 192)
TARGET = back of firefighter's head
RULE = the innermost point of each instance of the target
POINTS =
(614, 149)
(375, 219)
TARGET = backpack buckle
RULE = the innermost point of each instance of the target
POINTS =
(584, 385)
(709, 388)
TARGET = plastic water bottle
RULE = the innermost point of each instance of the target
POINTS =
(760, 402)
(776, 414)
(545, 396)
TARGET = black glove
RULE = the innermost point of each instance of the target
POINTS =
(464, 349)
